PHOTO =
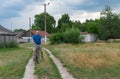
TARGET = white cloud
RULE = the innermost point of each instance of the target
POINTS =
(22, 21)
(83, 15)
(16, 22)
(7, 3)
(56, 9)
(73, 2)
(31, 10)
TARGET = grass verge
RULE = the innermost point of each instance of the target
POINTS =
(13, 62)
(47, 69)
(91, 60)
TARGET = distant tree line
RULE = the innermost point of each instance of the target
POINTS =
(19, 30)
(107, 27)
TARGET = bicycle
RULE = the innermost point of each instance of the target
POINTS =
(38, 55)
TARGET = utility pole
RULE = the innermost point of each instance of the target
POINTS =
(45, 21)
(12, 27)
(30, 28)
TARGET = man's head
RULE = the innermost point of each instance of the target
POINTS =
(37, 33)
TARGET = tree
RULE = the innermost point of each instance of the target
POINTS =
(35, 27)
(64, 23)
(90, 26)
(77, 24)
(19, 30)
(110, 24)
(39, 22)
(83, 27)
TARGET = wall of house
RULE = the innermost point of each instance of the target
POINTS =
(24, 40)
(43, 39)
(89, 38)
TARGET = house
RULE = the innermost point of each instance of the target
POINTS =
(27, 36)
(88, 37)
(19, 34)
(6, 36)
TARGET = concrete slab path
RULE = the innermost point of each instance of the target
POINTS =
(62, 70)
(29, 72)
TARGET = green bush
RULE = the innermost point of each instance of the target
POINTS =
(56, 38)
(70, 36)
(81, 37)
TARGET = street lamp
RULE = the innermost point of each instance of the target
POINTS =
(45, 21)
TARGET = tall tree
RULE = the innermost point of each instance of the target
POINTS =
(64, 23)
(77, 24)
(92, 26)
(39, 22)
(110, 24)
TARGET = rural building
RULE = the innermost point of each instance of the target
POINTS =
(27, 36)
(6, 37)
(88, 37)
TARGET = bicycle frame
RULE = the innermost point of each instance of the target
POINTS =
(37, 56)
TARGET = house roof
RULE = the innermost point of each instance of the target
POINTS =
(27, 33)
(84, 33)
(43, 33)
(4, 31)
(18, 34)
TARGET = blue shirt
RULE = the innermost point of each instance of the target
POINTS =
(37, 39)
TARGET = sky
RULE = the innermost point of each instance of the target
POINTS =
(14, 14)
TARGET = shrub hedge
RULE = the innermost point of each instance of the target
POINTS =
(69, 36)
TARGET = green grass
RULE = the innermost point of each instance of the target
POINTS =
(91, 60)
(102, 73)
(47, 69)
(13, 62)
(8, 45)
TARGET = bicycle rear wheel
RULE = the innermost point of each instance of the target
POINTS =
(37, 58)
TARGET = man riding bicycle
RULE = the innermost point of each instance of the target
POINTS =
(37, 43)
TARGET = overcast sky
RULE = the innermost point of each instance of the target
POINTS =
(15, 13)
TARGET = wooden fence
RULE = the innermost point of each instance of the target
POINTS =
(7, 39)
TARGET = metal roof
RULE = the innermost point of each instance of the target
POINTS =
(4, 31)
